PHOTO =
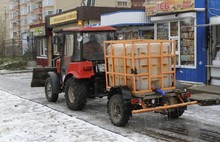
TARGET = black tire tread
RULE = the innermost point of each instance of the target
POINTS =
(80, 93)
(125, 112)
(54, 96)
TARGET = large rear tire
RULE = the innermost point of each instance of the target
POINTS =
(51, 97)
(76, 94)
(117, 111)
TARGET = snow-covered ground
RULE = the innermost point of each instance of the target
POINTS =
(25, 121)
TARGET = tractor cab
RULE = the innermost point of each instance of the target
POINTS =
(82, 44)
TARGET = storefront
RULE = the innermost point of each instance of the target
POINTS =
(133, 24)
(175, 20)
(37, 42)
(80, 16)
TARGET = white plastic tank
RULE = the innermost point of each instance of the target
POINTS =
(149, 67)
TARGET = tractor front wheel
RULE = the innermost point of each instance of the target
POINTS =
(76, 94)
(117, 111)
(51, 97)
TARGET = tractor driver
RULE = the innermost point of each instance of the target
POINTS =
(92, 50)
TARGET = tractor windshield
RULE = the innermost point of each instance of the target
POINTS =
(93, 45)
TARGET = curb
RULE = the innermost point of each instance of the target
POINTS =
(13, 72)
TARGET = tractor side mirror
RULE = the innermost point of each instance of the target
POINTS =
(79, 37)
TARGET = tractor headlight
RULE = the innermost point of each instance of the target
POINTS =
(101, 67)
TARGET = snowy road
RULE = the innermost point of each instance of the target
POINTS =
(197, 123)
(25, 121)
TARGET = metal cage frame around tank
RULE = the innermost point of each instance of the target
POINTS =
(110, 57)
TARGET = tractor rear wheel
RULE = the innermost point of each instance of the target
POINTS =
(51, 97)
(175, 112)
(76, 94)
(119, 115)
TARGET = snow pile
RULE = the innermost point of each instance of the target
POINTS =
(23, 120)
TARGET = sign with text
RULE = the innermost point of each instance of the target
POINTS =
(37, 31)
(63, 18)
(154, 7)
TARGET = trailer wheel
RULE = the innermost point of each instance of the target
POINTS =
(175, 112)
(119, 115)
(76, 94)
(51, 97)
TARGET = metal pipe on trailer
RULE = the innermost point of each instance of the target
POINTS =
(163, 107)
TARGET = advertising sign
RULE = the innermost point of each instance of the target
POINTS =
(63, 18)
(38, 31)
(154, 7)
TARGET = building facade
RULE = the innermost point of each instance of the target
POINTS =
(179, 20)
(39, 33)
(132, 24)
(23, 14)
(4, 25)
(70, 4)
(175, 20)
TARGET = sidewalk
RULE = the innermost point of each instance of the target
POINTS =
(22, 120)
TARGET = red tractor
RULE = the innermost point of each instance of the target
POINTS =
(92, 65)
(79, 70)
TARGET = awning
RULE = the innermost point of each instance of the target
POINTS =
(213, 21)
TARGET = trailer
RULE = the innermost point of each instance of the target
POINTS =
(141, 77)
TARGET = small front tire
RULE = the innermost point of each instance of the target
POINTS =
(51, 97)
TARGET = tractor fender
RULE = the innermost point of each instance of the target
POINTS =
(56, 86)
(123, 90)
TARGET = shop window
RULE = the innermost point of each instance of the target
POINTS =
(147, 34)
(162, 31)
(128, 35)
(183, 33)
(174, 35)
(55, 50)
(135, 35)
(173, 28)
(187, 50)
(43, 49)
